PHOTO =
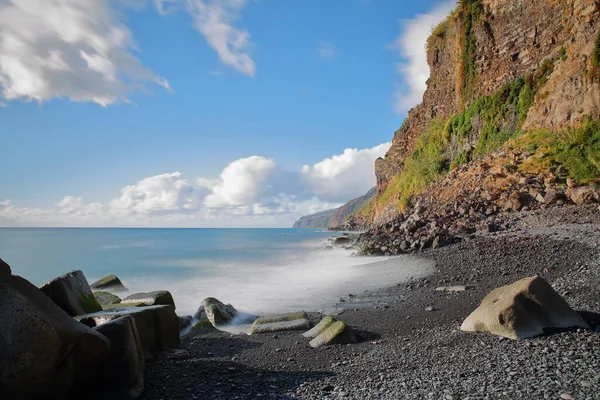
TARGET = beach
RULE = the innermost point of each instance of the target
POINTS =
(404, 351)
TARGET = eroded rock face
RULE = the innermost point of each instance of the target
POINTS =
(217, 312)
(72, 293)
(4, 269)
(110, 283)
(44, 353)
(157, 326)
(156, 298)
(522, 310)
(122, 373)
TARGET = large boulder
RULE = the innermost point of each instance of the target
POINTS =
(72, 293)
(156, 298)
(157, 326)
(122, 373)
(522, 310)
(584, 194)
(106, 299)
(44, 353)
(280, 322)
(110, 283)
(217, 312)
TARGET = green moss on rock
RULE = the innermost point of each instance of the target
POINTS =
(336, 333)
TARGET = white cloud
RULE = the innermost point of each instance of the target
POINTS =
(157, 194)
(344, 176)
(69, 48)
(242, 182)
(214, 20)
(411, 47)
(326, 51)
(252, 191)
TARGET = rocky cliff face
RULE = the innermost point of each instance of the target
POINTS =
(485, 45)
(337, 217)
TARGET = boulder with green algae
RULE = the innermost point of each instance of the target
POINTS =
(106, 299)
(72, 293)
(156, 298)
(217, 312)
(157, 326)
(280, 322)
(203, 327)
(320, 327)
(44, 353)
(336, 333)
(121, 376)
(110, 282)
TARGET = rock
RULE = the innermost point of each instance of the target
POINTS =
(4, 270)
(280, 322)
(44, 353)
(185, 322)
(336, 333)
(320, 327)
(200, 314)
(72, 293)
(157, 326)
(457, 288)
(106, 299)
(522, 310)
(156, 298)
(122, 373)
(109, 283)
(584, 194)
(551, 196)
(204, 327)
(217, 312)
(341, 240)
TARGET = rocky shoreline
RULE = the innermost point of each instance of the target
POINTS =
(411, 346)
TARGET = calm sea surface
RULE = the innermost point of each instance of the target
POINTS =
(258, 270)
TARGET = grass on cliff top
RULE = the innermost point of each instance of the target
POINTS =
(577, 150)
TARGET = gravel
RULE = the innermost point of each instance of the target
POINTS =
(406, 352)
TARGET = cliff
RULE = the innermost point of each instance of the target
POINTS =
(498, 68)
(337, 216)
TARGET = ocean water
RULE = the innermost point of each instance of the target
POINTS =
(256, 270)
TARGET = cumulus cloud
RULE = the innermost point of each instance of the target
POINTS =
(411, 48)
(346, 175)
(242, 182)
(69, 48)
(326, 51)
(214, 19)
(251, 191)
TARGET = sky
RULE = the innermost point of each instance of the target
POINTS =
(201, 113)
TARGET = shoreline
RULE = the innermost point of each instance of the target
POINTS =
(407, 352)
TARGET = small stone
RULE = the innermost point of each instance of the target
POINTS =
(429, 308)
(586, 383)
(566, 396)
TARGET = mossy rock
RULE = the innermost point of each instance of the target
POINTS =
(336, 333)
(111, 282)
(156, 298)
(106, 298)
(218, 312)
(72, 293)
(281, 322)
(320, 327)
(203, 327)
(282, 317)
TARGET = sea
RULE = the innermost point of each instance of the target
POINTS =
(256, 270)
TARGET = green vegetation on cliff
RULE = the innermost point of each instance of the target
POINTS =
(577, 151)
(596, 52)
(484, 126)
(469, 11)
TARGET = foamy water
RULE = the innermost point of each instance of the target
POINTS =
(256, 270)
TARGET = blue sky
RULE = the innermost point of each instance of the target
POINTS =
(200, 112)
